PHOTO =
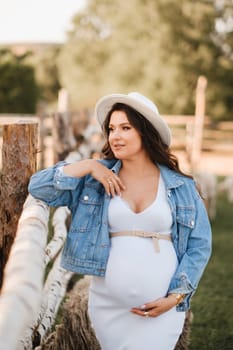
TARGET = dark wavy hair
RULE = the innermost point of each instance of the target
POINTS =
(157, 150)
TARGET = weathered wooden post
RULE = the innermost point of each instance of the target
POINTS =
(198, 122)
(63, 137)
(18, 163)
(41, 113)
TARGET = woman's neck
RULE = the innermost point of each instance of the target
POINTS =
(139, 167)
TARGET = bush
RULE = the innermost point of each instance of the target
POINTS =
(18, 87)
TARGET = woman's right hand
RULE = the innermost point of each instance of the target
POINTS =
(111, 181)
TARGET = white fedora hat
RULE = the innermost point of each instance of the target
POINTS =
(141, 104)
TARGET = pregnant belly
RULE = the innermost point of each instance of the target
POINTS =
(136, 273)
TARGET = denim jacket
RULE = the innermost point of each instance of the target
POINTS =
(87, 245)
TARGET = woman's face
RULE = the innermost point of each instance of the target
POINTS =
(124, 140)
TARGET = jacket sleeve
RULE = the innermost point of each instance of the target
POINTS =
(54, 187)
(195, 258)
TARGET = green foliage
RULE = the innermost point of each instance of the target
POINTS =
(156, 47)
(212, 327)
(82, 61)
(198, 54)
(44, 62)
(18, 88)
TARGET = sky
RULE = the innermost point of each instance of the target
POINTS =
(36, 20)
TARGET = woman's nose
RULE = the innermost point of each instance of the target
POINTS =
(115, 134)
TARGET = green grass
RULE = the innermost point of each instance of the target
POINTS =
(212, 305)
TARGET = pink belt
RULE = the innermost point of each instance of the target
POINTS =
(154, 235)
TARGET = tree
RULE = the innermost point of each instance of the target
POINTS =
(198, 54)
(223, 37)
(82, 60)
(18, 88)
(156, 47)
(44, 62)
(98, 59)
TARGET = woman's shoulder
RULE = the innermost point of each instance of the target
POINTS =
(174, 174)
(175, 179)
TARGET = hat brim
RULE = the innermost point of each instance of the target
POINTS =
(105, 104)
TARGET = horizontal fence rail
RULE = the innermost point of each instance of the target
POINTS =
(28, 304)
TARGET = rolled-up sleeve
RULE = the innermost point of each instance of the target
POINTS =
(54, 187)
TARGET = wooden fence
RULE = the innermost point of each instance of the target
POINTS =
(28, 304)
(217, 139)
(196, 141)
(30, 312)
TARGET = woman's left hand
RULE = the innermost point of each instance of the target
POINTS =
(155, 308)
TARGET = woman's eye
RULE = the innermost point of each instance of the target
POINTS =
(126, 128)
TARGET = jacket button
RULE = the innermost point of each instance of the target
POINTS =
(86, 198)
(192, 222)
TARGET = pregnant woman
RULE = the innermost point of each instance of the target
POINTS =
(138, 226)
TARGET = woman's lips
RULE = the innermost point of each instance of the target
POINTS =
(117, 147)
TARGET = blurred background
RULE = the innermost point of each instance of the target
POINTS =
(96, 47)
(58, 57)
(90, 48)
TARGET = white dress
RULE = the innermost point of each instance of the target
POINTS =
(136, 274)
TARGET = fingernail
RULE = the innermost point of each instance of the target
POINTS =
(143, 307)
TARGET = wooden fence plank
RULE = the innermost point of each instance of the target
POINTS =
(199, 122)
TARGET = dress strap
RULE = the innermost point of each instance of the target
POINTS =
(154, 235)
